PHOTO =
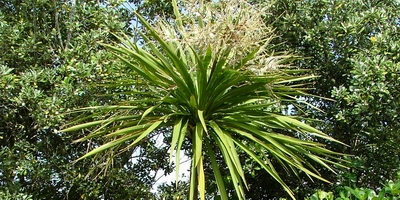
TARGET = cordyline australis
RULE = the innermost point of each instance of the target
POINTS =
(208, 78)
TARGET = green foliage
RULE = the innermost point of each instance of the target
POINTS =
(153, 9)
(49, 59)
(172, 190)
(390, 190)
(353, 47)
(9, 196)
(51, 63)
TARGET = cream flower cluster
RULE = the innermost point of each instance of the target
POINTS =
(225, 24)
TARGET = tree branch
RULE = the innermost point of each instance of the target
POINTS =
(57, 24)
(71, 19)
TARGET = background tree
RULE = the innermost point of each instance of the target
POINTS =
(49, 59)
(353, 47)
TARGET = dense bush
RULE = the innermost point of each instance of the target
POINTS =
(390, 190)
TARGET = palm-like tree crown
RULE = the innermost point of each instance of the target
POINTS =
(218, 95)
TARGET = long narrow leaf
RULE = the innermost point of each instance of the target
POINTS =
(217, 172)
(179, 147)
(176, 133)
(198, 135)
(226, 140)
(236, 178)
(201, 179)
(267, 168)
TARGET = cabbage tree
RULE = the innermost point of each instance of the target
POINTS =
(209, 80)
